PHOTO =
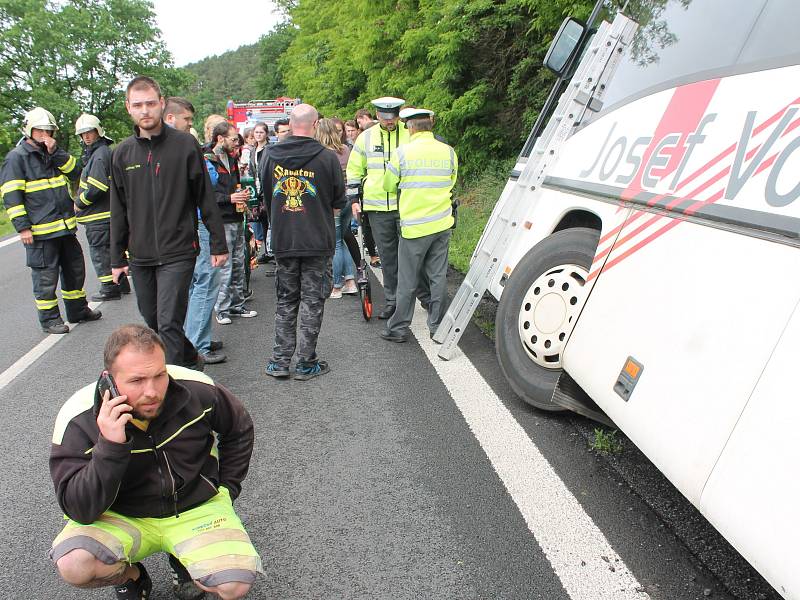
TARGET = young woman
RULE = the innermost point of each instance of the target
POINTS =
(343, 268)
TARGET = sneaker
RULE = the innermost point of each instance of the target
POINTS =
(336, 293)
(56, 327)
(183, 586)
(214, 358)
(223, 319)
(242, 312)
(350, 287)
(215, 345)
(306, 371)
(135, 590)
(275, 370)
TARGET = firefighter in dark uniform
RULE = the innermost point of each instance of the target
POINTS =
(34, 186)
(93, 206)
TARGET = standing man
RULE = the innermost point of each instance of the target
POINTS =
(158, 182)
(373, 149)
(283, 129)
(304, 184)
(35, 191)
(424, 172)
(223, 168)
(94, 205)
(364, 119)
(155, 469)
(179, 113)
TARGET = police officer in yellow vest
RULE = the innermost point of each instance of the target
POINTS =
(423, 172)
(34, 185)
(372, 150)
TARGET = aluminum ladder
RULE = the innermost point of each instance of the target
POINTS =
(584, 92)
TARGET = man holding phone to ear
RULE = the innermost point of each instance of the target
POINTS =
(153, 469)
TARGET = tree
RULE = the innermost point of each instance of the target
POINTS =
(75, 56)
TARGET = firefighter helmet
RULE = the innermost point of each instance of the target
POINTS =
(88, 122)
(38, 118)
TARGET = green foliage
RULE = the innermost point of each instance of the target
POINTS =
(75, 56)
(271, 47)
(477, 197)
(6, 227)
(606, 442)
(476, 63)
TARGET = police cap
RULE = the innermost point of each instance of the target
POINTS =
(416, 113)
(388, 107)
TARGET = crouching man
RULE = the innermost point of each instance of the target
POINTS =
(141, 473)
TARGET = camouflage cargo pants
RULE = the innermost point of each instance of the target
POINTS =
(302, 285)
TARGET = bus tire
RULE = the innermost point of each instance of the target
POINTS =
(568, 254)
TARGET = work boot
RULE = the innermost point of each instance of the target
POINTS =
(89, 315)
(135, 590)
(56, 326)
(391, 336)
(124, 285)
(183, 586)
(107, 293)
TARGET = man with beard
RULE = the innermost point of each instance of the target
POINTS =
(152, 464)
(158, 182)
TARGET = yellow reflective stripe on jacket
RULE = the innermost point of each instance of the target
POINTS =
(14, 185)
(16, 211)
(46, 304)
(84, 201)
(371, 152)
(69, 165)
(53, 226)
(105, 278)
(98, 184)
(95, 217)
(38, 185)
(83, 185)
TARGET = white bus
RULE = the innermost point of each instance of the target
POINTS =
(656, 269)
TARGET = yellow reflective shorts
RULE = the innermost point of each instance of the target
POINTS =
(209, 540)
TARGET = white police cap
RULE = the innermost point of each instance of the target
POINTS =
(416, 113)
(388, 105)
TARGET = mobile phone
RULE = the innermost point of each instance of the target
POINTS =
(105, 384)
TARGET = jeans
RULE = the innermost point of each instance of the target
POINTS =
(202, 296)
(231, 285)
(258, 230)
(343, 267)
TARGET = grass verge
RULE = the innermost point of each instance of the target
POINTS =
(6, 228)
(477, 197)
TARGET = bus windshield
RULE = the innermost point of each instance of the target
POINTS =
(682, 41)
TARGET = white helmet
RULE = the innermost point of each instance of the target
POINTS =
(88, 122)
(38, 118)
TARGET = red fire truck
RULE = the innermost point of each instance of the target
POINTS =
(247, 114)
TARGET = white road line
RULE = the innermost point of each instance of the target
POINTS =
(9, 241)
(34, 353)
(579, 553)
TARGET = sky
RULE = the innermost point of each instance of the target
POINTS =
(186, 26)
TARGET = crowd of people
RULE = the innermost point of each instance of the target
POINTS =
(187, 221)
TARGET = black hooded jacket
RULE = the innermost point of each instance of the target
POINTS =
(303, 184)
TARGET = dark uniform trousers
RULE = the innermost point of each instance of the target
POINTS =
(302, 285)
(427, 256)
(99, 237)
(162, 294)
(49, 258)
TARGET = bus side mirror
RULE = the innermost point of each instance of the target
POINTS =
(565, 45)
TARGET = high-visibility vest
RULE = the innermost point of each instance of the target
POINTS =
(372, 150)
(424, 171)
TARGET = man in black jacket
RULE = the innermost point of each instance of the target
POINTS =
(93, 206)
(158, 182)
(153, 469)
(303, 185)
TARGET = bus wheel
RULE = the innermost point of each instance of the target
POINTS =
(538, 309)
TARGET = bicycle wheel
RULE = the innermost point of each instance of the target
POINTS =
(365, 295)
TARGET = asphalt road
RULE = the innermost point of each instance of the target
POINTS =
(369, 482)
